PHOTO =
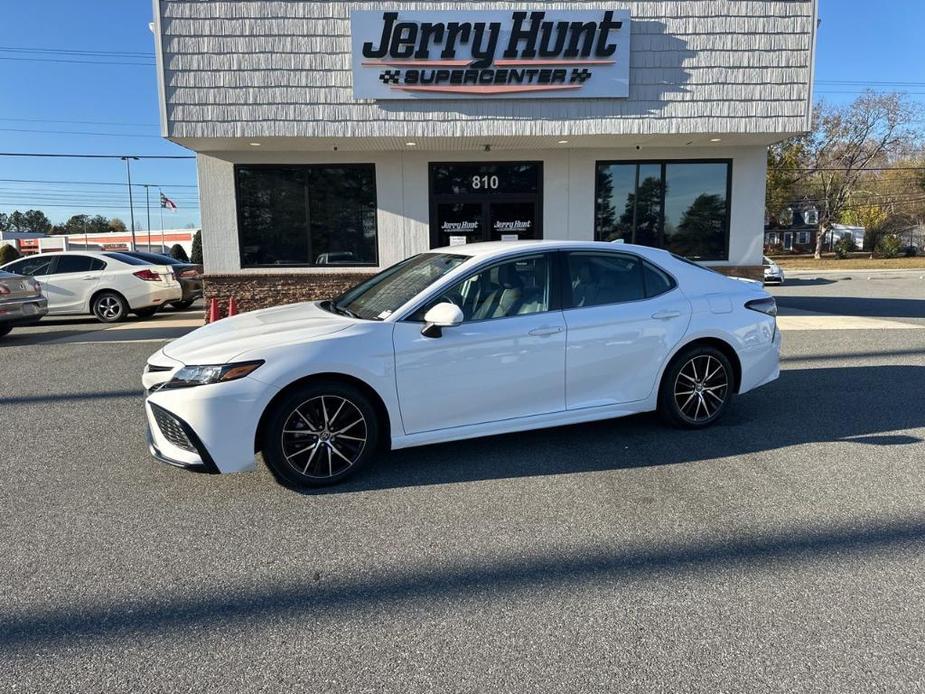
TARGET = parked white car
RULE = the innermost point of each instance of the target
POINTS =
(107, 285)
(772, 271)
(455, 343)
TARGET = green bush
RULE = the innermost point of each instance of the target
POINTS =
(8, 254)
(844, 246)
(196, 255)
(177, 253)
(889, 246)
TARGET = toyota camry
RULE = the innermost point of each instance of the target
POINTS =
(455, 343)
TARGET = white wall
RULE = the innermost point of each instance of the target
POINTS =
(402, 192)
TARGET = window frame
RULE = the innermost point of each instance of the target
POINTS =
(663, 164)
(567, 299)
(553, 261)
(311, 264)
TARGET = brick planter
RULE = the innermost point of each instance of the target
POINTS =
(254, 291)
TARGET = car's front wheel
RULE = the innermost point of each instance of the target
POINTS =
(320, 434)
(109, 307)
(696, 388)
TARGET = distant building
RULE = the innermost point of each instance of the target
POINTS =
(155, 241)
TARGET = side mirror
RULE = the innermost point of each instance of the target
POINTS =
(443, 315)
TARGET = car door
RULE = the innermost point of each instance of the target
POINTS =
(71, 282)
(505, 360)
(624, 316)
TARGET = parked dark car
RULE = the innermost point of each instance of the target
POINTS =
(21, 301)
(189, 274)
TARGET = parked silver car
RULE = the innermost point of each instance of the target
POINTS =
(21, 301)
(772, 271)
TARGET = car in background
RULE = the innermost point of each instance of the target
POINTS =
(107, 285)
(189, 274)
(772, 271)
(21, 301)
(457, 342)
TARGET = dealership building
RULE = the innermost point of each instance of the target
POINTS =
(337, 138)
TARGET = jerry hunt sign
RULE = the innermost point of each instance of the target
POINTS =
(492, 54)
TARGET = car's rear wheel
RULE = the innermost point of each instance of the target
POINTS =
(182, 305)
(5, 329)
(109, 307)
(320, 434)
(146, 312)
(696, 388)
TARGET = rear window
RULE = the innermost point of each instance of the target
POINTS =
(127, 259)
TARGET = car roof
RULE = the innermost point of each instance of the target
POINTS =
(486, 249)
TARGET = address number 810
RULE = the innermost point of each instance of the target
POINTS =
(485, 182)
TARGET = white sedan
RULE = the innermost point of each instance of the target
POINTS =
(455, 343)
(107, 285)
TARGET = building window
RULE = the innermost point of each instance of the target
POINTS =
(682, 206)
(803, 237)
(318, 215)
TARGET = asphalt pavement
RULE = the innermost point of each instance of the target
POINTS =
(781, 550)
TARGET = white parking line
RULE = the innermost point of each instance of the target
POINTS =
(822, 321)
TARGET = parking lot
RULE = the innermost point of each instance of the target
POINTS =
(780, 550)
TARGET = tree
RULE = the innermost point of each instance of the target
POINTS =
(116, 224)
(196, 254)
(8, 253)
(77, 224)
(37, 221)
(98, 224)
(4, 221)
(845, 142)
(177, 253)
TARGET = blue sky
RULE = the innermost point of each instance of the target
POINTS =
(859, 42)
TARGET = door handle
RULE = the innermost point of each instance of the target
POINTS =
(89, 277)
(546, 330)
(665, 315)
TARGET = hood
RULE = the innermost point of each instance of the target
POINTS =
(222, 341)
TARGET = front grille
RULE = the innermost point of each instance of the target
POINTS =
(172, 429)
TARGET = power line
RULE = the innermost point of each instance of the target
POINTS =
(74, 132)
(97, 156)
(122, 206)
(83, 122)
(83, 62)
(73, 51)
(98, 183)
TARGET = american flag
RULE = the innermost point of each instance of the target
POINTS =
(168, 203)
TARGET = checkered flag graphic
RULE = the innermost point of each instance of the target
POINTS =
(390, 76)
(580, 75)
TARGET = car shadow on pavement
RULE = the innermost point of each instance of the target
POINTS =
(787, 412)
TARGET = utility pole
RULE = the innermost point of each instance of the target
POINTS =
(131, 206)
(160, 207)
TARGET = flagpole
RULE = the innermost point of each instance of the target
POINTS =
(148, 209)
(161, 208)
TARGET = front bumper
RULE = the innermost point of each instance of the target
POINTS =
(211, 427)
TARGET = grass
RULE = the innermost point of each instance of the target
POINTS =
(858, 261)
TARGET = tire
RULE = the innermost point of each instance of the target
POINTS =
(146, 312)
(109, 307)
(696, 388)
(320, 434)
(181, 305)
(5, 329)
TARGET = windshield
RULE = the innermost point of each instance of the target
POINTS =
(382, 294)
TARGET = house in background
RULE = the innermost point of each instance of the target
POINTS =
(794, 231)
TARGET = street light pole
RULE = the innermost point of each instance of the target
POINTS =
(148, 208)
(160, 207)
(131, 206)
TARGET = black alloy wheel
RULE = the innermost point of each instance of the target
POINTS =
(320, 434)
(696, 388)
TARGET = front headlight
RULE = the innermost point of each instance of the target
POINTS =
(218, 373)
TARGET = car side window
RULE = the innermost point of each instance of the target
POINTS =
(513, 288)
(97, 264)
(73, 263)
(657, 281)
(33, 267)
(596, 279)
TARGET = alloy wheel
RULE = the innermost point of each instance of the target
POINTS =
(701, 388)
(108, 307)
(324, 436)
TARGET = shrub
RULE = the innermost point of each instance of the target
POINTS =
(889, 246)
(177, 253)
(196, 254)
(844, 246)
(8, 254)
